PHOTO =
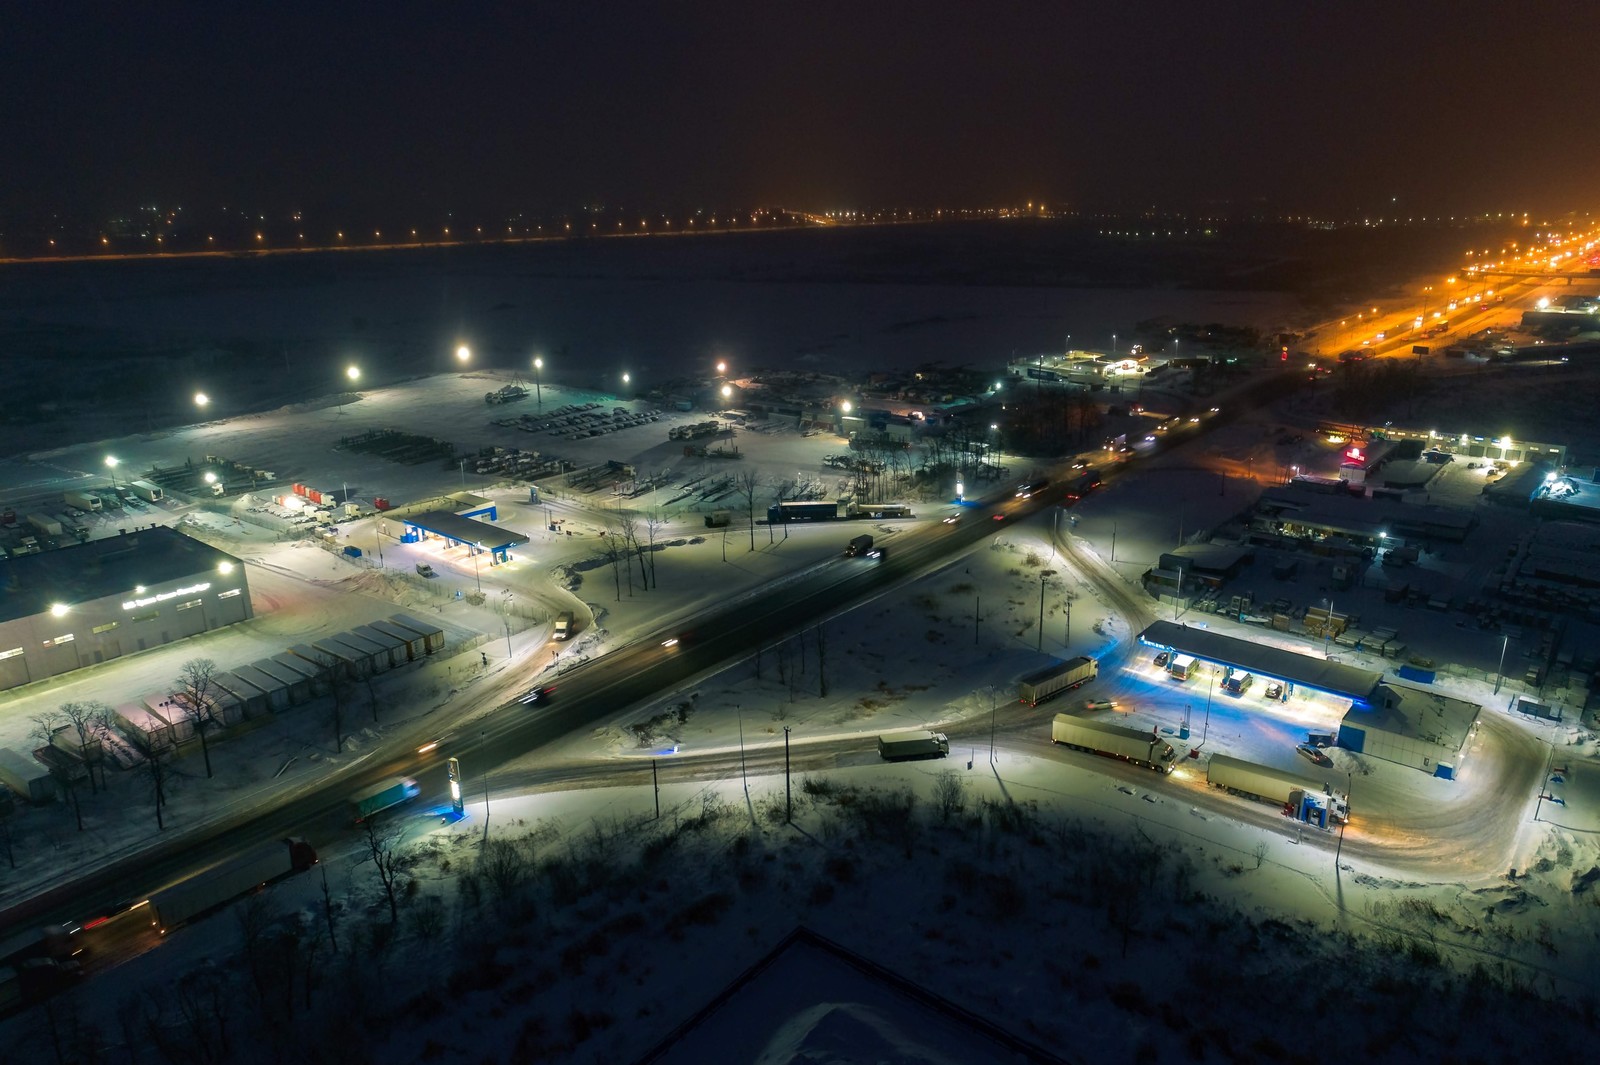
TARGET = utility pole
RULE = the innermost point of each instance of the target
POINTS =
(788, 793)
(1500, 671)
(977, 607)
(655, 782)
(743, 775)
(1042, 577)
(992, 707)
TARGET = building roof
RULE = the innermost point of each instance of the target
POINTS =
(1277, 663)
(116, 565)
(1418, 714)
(1206, 558)
(466, 530)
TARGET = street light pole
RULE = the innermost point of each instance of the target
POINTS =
(993, 704)
(538, 386)
(1500, 671)
(1042, 577)
(508, 626)
(788, 792)
(977, 607)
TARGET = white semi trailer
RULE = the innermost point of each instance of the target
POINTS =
(1114, 741)
(1035, 688)
(1276, 786)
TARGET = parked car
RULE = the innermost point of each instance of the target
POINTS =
(1273, 691)
(1161, 657)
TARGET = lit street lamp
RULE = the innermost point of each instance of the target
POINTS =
(538, 389)
(201, 400)
(111, 464)
(463, 354)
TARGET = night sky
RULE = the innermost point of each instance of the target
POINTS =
(413, 110)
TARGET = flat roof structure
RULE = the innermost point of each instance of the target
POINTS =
(1361, 517)
(1411, 726)
(1276, 663)
(459, 530)
(116, 565)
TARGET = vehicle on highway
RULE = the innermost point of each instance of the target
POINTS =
(563, 627)
(954, 519)
(381, 796)
(1027, 489)
(1314, 753)
(670, 641)
(535, 695)
(1100, 704)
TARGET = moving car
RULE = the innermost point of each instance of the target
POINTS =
(534, 695)
(1314, 753)
(1100, 704)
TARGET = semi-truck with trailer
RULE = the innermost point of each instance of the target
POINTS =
(82, 500)
(1298, 795)
(858, 546)
(1054, 679)
(45, 524)
(150, 493)
(58, 941)
(921, 743)
(221, 884)
(1114, 741)
(381, 796)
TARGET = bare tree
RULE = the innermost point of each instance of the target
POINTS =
(653, 523)
(614, 554)
(86, 719)
(328, 910)
(196, 697)
(335, 675)
(387, 862)
(8, 810)
(747, 484)
(44, 730)
(372, 696)
(628, 528)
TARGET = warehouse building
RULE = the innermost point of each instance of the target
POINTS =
(83, 605)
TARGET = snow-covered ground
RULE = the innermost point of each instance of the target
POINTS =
(1094, 909)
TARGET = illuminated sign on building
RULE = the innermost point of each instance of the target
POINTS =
(135, 604)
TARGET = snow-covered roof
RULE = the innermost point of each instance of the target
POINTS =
(116, 565)
(465, 530)
(1420, 714)
(1263, 660)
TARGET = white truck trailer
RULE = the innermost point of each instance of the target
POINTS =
(1114, 741)
(81, 500)
(150, 493)
(1276, 786)
(921, 743)
(221, 884)
(1035, 688)
(45, 524)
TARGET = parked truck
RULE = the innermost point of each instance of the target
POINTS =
(221, 884)
(1054, 679)
(45, 524)
(1114, 741)
(718, 519)
(1295, 794)
(921, 743)
(563, 629)
(82, 500)
(150, 493)
(858, 546)
(381, 796)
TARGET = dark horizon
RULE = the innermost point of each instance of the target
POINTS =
(424, 112)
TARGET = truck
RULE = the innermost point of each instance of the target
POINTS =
(858, 546)
(150, 493)
(425, 569)
(45, 524)
(1238, 683)
(718, 519)
(894, 746)
(214, 888)
(82, 500)
(563, 628)
(1295, 794)
(58, 941)
(381, 796)
(25, 776)
(1181, 666)
(1056, 678)
(1114, 741)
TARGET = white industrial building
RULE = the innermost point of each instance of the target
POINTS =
(82, 605)
(1412, 726)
